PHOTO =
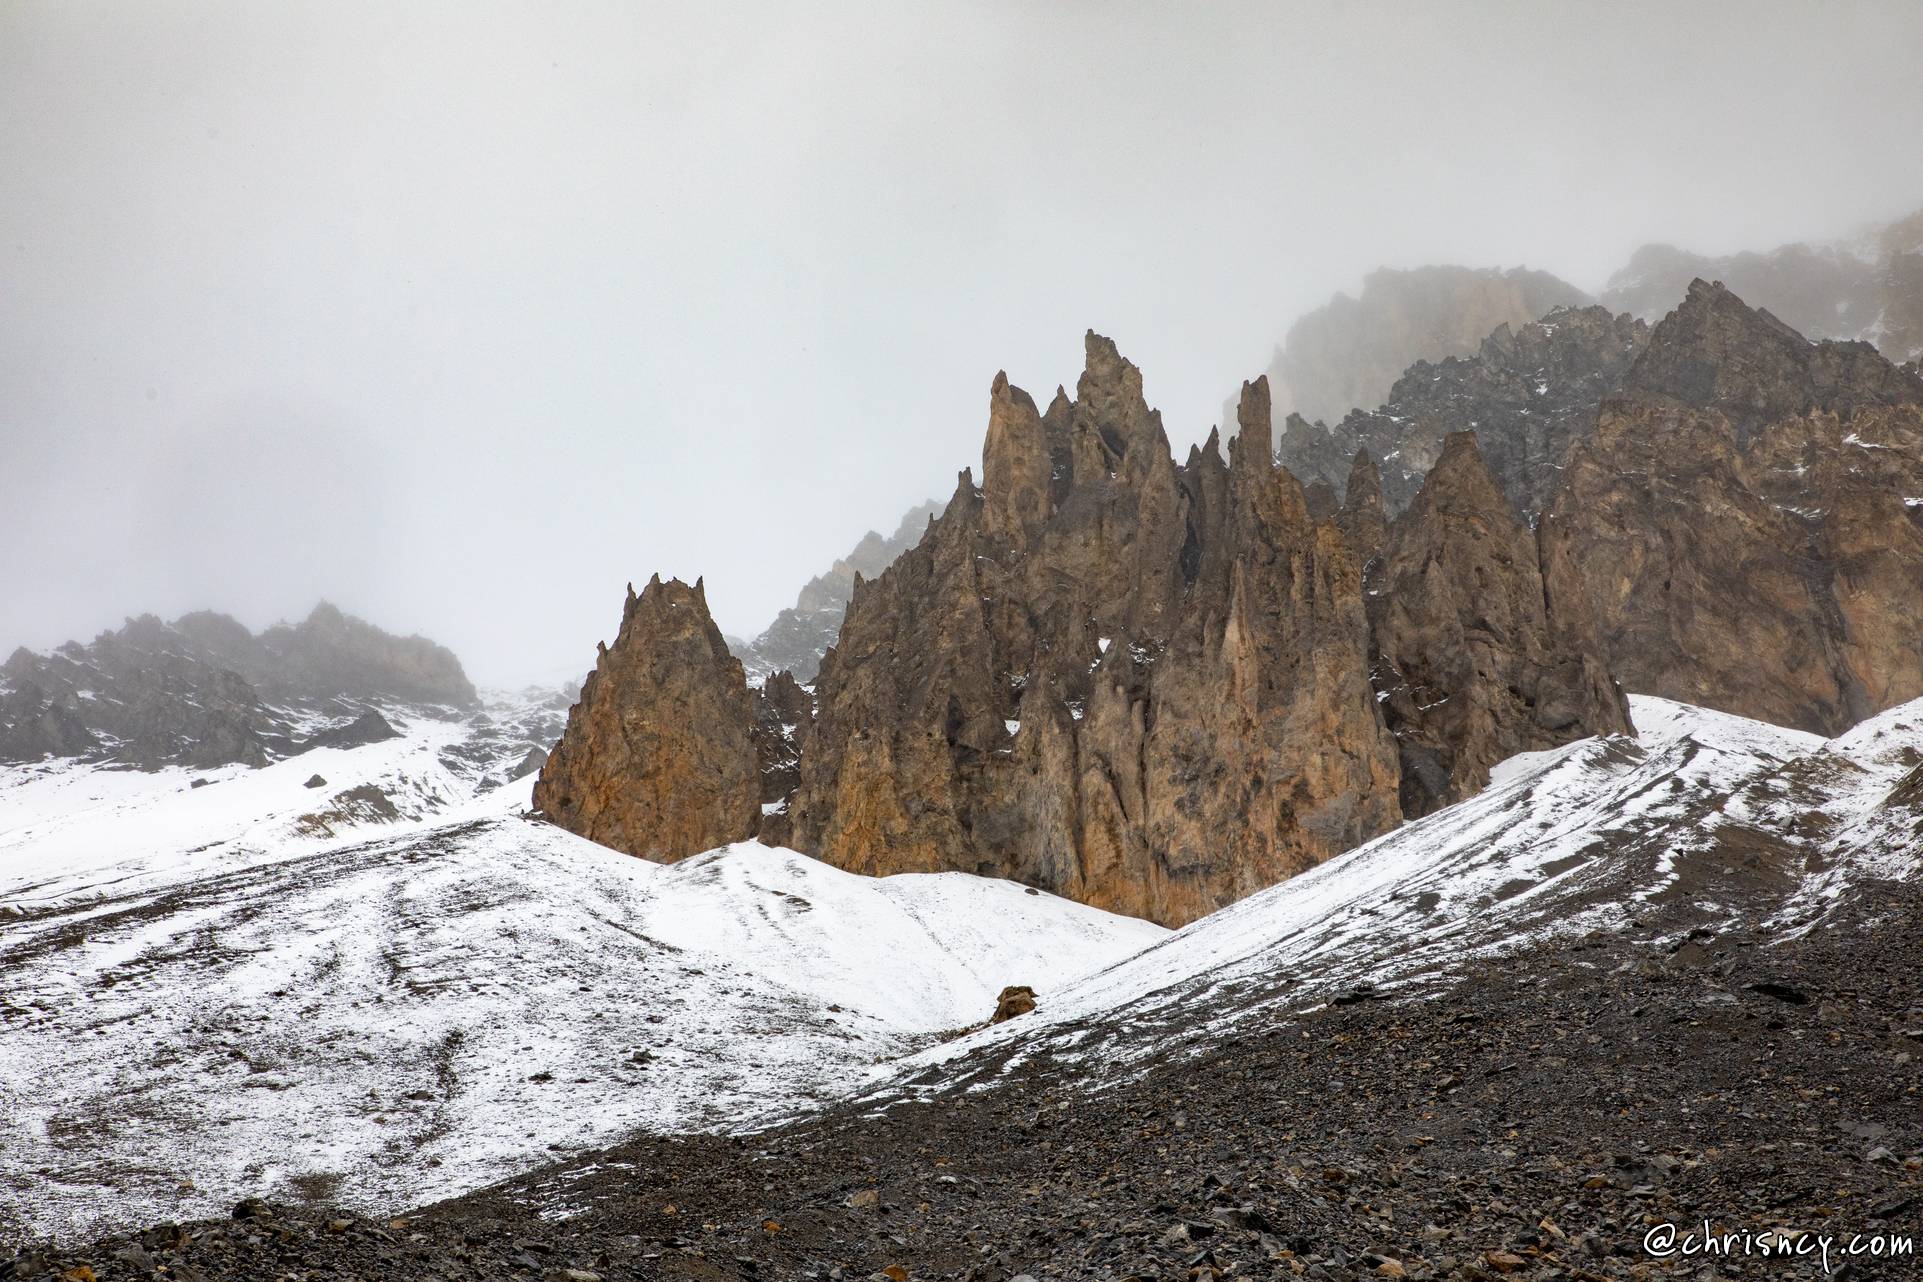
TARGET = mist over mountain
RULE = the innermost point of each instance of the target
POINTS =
(515, 302)
(1453, 811)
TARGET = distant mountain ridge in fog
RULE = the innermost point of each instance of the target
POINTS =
(1350, 351)
(802, 633)
(1868, 289)
(205, 691)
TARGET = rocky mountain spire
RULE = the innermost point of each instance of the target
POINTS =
(1361, 517)
(1016, 466)
(1468, 664)
(659, 758)
(1099, 700)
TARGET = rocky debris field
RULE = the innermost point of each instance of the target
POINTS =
(1534, 1121)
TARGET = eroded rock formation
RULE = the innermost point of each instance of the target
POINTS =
(658, 758)
(1142, 685)
(1745, 527)
(1471, 668)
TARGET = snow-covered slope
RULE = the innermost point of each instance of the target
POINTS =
(257, 987)
(1705, 818)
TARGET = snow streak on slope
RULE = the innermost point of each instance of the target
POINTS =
(207, 997)
(1706, 818)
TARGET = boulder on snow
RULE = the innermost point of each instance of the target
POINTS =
(1016, 999)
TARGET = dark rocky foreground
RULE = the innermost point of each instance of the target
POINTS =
(1534, 1121)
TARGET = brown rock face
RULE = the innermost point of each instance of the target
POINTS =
(784, 711)
(1745, 528)
(1470, 667)
(1140, 685)
(658, 758)
(1016, 999)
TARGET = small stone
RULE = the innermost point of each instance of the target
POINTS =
(1504, 1261)
(864, 1199)
(252, 1208)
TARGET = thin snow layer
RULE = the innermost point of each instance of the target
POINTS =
(1710, 816)
(206, 998)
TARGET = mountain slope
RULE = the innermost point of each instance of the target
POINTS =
(395, 988)
(1704, 822)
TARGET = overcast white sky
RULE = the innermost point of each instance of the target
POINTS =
(463, 315)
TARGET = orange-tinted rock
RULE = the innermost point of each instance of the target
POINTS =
(658, 758)
(1145, 688)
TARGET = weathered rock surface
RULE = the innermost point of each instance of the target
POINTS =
(784, 711)
(32, 726)
(1470, 667)
(144, 695)
(1350, 352)
(1140, 685)
(1745, 528)
(1528, 392)
(794, 642)
(658, 758)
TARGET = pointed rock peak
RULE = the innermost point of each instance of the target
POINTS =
(325, 614)
(1716, 352)
(1016, 463)
(1711, 302)
(1106, 373)
(1003, 392)
(658, 758)
(1461, 481)
(662, 595)
(1060, 403)
(1361, 518)
(1100, 350)
(1251, 446)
